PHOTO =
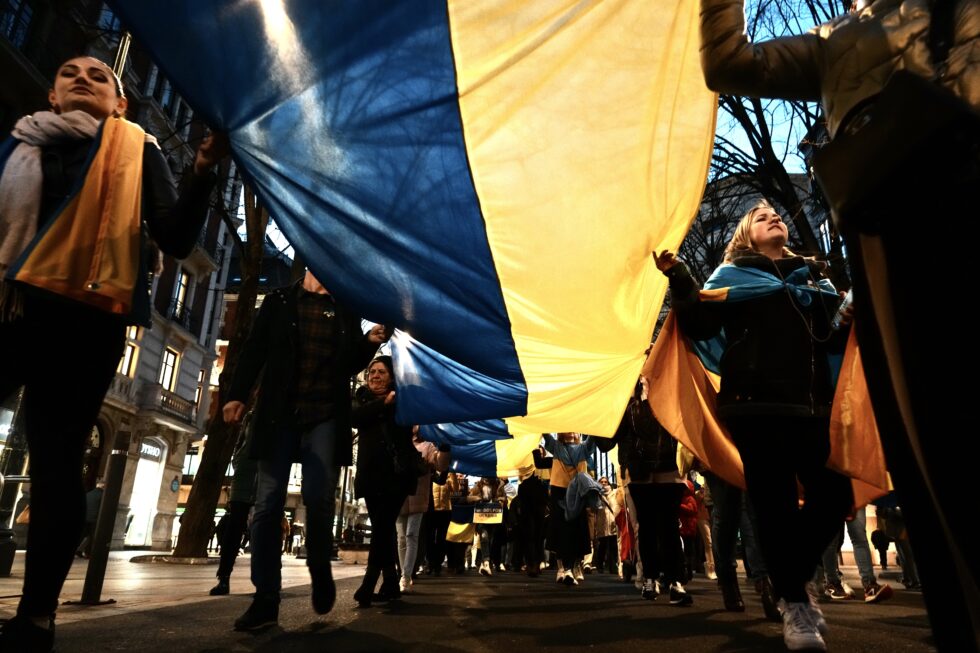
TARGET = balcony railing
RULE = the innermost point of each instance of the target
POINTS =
(121, 388)
(180, 313)
(157, 397)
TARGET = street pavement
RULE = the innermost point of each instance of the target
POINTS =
(165, 607)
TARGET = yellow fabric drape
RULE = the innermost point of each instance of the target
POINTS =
(589, 130)
(91, 249)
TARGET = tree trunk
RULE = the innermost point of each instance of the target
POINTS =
(198, 520)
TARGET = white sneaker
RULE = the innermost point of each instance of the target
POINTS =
(816, 616)
(799, 631)
(560, 576)
(577, 572)
(486, 569)
(569, 578)
(405, 585)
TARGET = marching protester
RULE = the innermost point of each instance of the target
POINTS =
(409, 522)
(775, 399)
(388, 470)
(887, 68)
(303, 348)
(489, 491)
(648, 454)
(80, 263)
(439, 513)
(569, 540)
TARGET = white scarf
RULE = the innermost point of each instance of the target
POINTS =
(21, 186)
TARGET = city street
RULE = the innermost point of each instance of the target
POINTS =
(165, 607)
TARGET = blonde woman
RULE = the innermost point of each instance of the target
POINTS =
(775, 397)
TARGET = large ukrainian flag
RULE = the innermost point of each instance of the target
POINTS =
(488, 175)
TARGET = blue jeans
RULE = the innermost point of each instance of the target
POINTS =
(857, 531)
(314, 448)
(732, 514)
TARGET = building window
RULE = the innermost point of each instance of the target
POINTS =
(180, 295)
(109, 25)
(151, 81)
(168, 371)
(200, 388)
(15, 21)
(127, 364)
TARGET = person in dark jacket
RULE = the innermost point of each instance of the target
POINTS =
(775, 400)
(42, 166)
(386, 474)
(303, 349)
(648, 453)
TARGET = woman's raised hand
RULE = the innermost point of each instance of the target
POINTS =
(665, 260)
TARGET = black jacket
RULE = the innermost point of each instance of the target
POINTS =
(380, 440)
(645, 447)
(269, 357)
(776, 357)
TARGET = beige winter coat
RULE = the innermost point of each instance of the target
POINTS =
(840, 63)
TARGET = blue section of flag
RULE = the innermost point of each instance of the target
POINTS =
(464, 433)
(344, 117)
(476, 459)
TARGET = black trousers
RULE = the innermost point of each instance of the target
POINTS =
(65, 356)
(568, 539)
(776, 452)
(230, 540)
(606, 554)
(435, 546)
(659, 539)
(383, 510)
(920, 418)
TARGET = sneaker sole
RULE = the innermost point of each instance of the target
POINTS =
(883, 594)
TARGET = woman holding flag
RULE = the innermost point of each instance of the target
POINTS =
(774, 311)
(80, 187)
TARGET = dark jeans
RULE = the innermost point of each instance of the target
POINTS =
(606, 554)
(230, 540)
(776, 452)
(568, 539)
(314, 448)
(65, 356)
(732, 516)
(383, 510)
(657, 506)
(435, 546)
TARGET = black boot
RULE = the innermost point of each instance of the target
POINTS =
(263, 613)
(768, 595)
(731, 595)
(324, 590)
(389, 586)
(365, 593)
(22, 635)
(221, 588)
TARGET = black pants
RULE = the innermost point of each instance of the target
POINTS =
(435, 546)
(65, 356)
(917, 429)
(568, 539)
(606, 554)
(383, 510)
(776, 452)
(657, 506)
(230, 540)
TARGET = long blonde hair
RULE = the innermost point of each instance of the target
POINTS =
(741, 241)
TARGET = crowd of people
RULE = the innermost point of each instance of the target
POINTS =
(86, 263)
